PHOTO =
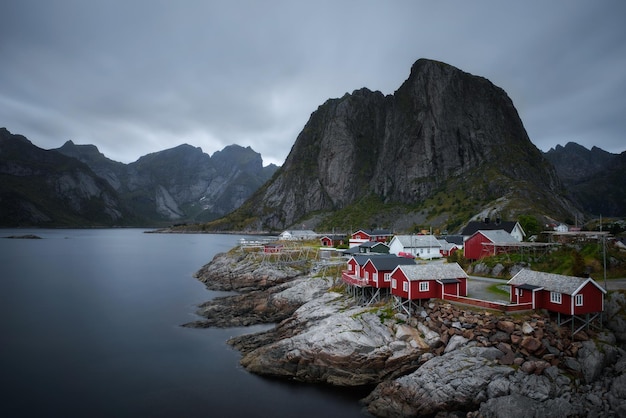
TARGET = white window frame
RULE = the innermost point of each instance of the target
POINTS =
(387, 277)
(579, 300)
(405, 286)
(424, 286)
(394, 284)
(555, 297)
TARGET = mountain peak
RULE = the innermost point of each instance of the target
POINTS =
(441, 126)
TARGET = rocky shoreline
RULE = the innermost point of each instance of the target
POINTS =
(445, 360)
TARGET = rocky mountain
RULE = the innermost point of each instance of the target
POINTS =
(42, 187)
(182, 184)
(447, 145)
(594, 178)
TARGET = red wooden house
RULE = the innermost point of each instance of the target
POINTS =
(367, 274)
(487, 243)
(567, 295)
(425, 281)
(377, 270)
(272, 248)
(361, 236)
(332, 240)
(354, 274)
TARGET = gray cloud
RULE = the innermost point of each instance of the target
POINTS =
(134, 77)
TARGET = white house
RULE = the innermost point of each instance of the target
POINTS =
(293, 235)
(422, 246)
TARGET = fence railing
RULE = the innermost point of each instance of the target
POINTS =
(499, 306)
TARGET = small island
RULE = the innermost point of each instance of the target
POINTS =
(25, 236)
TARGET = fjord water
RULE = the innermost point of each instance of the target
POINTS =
(90, 327)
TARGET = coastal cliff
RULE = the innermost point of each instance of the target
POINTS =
(444, 359)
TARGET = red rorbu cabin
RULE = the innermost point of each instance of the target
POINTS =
(378, 269)
(557, 293)
(487, 243)
(425, 281)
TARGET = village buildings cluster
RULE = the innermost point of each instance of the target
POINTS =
(410, 269)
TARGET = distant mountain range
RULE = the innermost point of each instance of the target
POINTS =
(76, 185)
(447, 147)
(593, 178)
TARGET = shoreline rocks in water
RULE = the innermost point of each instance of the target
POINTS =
(25, 236)
(446, 359)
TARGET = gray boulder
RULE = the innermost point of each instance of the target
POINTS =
(457, 380)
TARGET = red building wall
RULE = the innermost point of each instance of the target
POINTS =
(361, 235)
(473, 248)
(525, 297)
(592, 300)
(353, 266)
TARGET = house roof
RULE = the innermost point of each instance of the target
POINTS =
(417, 241)
(372, 244)
(447, 246)
(362, 258)
(570, 285)
(498, 236)
(433, 271)
(454, 239)
(474, 226)
(374, 232)
(390, 263)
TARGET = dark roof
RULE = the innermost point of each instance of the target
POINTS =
(334, 236)
(529, 287)
(475, 226)
(454, 239)
(374, 232)
(361, 259)
(446, 281)
(390, 263)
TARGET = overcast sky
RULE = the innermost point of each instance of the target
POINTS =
(140, 76)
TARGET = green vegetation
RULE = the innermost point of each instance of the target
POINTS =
(572, 260)
(360, 214)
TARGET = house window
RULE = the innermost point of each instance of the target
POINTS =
(521, 292)
(405, 286)
(579, 300)
(387, 277)
(394, 284)
(423, 286)
(555, 297)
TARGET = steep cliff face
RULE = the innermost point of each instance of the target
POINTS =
(575, 163)
(594, 177)
(442, 128)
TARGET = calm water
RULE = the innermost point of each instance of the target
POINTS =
(90, 327)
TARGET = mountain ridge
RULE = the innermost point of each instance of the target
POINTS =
(180, 184)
